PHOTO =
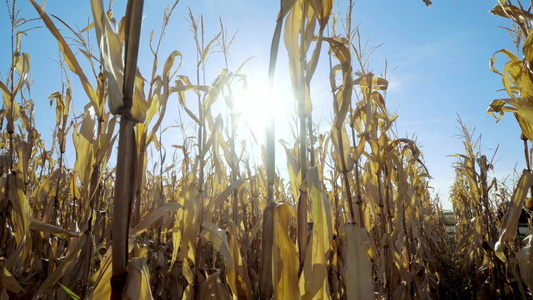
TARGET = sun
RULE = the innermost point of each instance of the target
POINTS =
(259, 104)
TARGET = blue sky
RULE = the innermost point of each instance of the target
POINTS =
(440, 56)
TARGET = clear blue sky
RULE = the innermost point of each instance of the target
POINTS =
(441, 55)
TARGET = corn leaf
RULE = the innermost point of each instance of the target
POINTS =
(154, 216)
(510, 219)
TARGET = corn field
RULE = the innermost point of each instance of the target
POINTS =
(353, 219)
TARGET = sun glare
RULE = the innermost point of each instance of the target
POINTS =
(260, 104)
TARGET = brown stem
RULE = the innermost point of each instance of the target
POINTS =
(124, 190)
(302, 200)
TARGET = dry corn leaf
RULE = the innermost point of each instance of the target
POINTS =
(516, 80)
(219, 201)
(21, 61)
(83, 144)
(506, 10)
(237, 276)
(68, 54)
(372, 82)
(524, 258)
(48, 228)
(217, 237)
(188, 224)
(343, 158)
(344, 95)
(7, 280)
(284, 255)
(313, 280)
(110, 46)
(153, 216)
(293, 166)
(61, 269)
(102, 278)
(323, 10)
(358, 268)
(208, 288)
(510, 219)
(11, 112)
(138, 280)
(21, 209)
(294, 25)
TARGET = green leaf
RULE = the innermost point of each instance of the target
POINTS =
(71, 293)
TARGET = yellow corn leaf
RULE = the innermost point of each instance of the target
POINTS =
(20, 84)
(358, 267)
(7, 280)
(372, 82)
(183, 84)
(110, 44)
(45, 190)
(212, 287)
(189, 225)
(55, 230)
(285, 7)
(59, 272)
(22, 63)
(344, 95)
(105, 143)
(162, 98)
(193, 116)
(284, 255)
(527, 47)
(69, 55)
(293, 167)
(217, 237)
(139, 104)
(168, 66)
(313, 280)
(207, 50)
(177, 233)
(60, 106)
(309, 30)
(343, 160)
(21, 208)
(88, 127)
(515, 78)
(6, 94)
(216, 88)
(11, 111)
(524, 259)
(152, 108)
(296, 26)
(214, 134)
(238, 278)
(83, 145)
(506, 10)
(323, 10)
(522, 110)
(102, 278)
(510, 219)
(153, 216)
(291, 39)
(138, 280)
(219, 201)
